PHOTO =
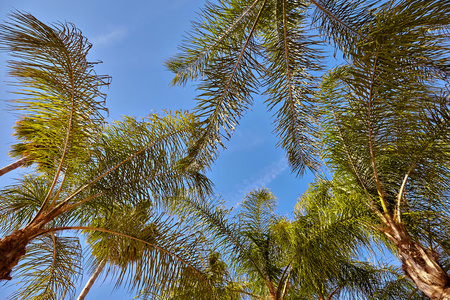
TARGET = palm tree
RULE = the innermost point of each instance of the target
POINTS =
(384, 114)
(84, 173)
(271, 257)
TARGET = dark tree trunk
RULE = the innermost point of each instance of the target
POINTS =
(12, 248)
(419, 263)
(13, 166)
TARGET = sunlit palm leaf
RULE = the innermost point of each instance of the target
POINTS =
(59, 92)
(171, 255)
(141, 160)
(256, 220)
(388, 110)
(336, 224)
(212, 37)
(21, 202)
(241, 47)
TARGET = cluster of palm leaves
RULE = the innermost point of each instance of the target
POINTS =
(378, 122)
(134, 191)
(91, 182)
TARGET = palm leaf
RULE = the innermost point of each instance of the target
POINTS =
(21, 202)
(341, 22)
(139, 160)
(388, 114)
(290, 58)
(170, 255)
(50, 268)
(60, 100)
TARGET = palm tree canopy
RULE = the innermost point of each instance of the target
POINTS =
(90, 176)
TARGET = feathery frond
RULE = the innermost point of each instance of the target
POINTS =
(152, 252)
(60, 102)
(237, 49)
(50, 269)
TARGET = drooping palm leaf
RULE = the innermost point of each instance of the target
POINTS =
(152, 253)
(21, 202)
(290, 56)
(341, 22)
(142, 160)
(387, 111)
(241, 47)
(60, 99)
(50, 269)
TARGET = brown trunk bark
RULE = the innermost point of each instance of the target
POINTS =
(13, 166)
(91, 281)
(12, 248)
(419, 263)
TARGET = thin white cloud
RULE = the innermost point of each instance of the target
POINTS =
(110, 37)
(266, 176)
(262, 179)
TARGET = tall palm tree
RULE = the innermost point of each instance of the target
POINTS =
(85, 171)
(386, 110)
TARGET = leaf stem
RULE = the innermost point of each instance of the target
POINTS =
(378, 183)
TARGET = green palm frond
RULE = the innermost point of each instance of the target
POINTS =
(221, 52)
(258, 211)
(256, 220)
(21, 202)
(332, 227)
(214, 37)
(60, 100)
(387, 111)
(140, 160)
(341, 22)
(50, 268)
(152, 252)
(147, 157)
(240, 47)
(221, 285)
(290, 56)
(210, 217)
(244, 249)
(398, 288)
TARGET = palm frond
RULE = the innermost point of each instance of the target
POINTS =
(50, 268)
(220, 26)
(140, 160)
(388, 108)
(331, 228)
(60, 102)
(158, 257)
(398, 288)
(21, 202)
(229, 237)
(222, 52)
(341, 22)
(258, 211)
(210, 217)
(291, 58)
(256, 220)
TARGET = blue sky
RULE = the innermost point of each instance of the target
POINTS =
(133, 38)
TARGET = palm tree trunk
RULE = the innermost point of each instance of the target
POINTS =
(13, 166)
(12, 248)
(419, 263)
(91, 281)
